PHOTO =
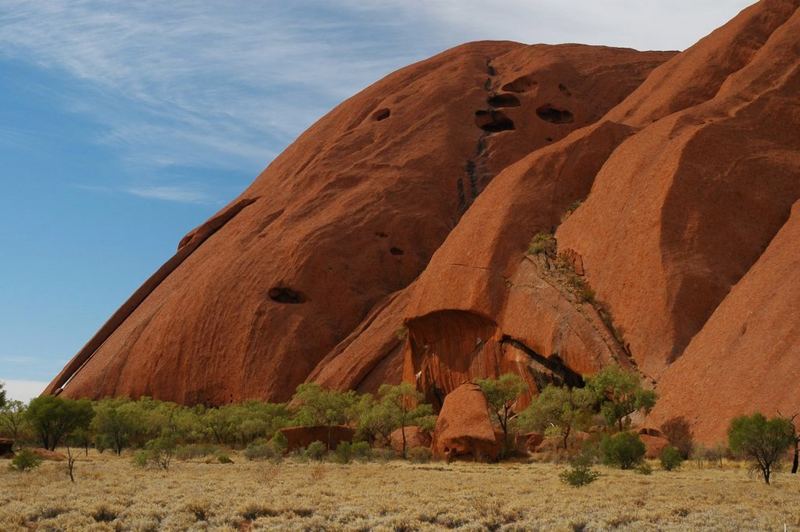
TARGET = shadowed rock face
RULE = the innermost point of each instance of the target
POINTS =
(391, 240)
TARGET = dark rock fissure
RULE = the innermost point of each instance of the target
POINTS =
(283, 294)
(381, 114)
(548, 113)
(503, 100)
(553, 363)
(396, 251)
(521, 84)
(493, 121)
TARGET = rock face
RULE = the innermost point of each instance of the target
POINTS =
(391, 240)
(300, 437)
(308, 267)
(415, 437)
(464, 428)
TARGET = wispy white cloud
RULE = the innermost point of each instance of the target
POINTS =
(179, 194)
(23, 390)
(226, 85)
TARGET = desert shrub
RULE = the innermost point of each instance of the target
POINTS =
(223, 458)
(383, 454)
(543, 244)
(260, 450)
(623, 450)
(141, 458)
(316, 450)
(419, 455)
(580, 472)
(361, 450)
(671, 458)
(679, 434)
(158, 453)
(25, 460)
(343, 453)
(195, 450)
(714, 455)
(279, 442)
(763, 441)
(644, 468)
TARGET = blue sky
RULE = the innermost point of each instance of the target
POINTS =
(125, 124)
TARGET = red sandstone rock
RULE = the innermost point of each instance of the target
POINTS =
(415, 437)
(390, 240)
(309, 264)
(300, 437)
(653, 445)
(464, 428)
(532, 441)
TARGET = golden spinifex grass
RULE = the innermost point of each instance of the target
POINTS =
(110, 493)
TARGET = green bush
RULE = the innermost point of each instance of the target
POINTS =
(25, 460)
(671, 458)
(158, 452)
(623, 450)
(644, 468)
(419, 455)
(580, 472)
(279, 442)
(384, 454)
(543, 244)
(223, 458)
(260, 450)
(361, 451)
(343, 453)
(141, 458)
(316, 450)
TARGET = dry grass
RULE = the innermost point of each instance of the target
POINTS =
(111, 494)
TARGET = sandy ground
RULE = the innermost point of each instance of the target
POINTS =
(110, 493)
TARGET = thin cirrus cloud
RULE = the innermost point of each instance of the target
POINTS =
(228, 85)
(179, 194)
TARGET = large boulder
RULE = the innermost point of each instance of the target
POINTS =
(300, 437)
(415, 437)
(464, 428)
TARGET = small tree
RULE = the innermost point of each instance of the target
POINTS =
(624, 450)
(321, 407)
(619, 394)
(401, 405)
(12, 418)
(53, 418)
(501, 394)
(564, 409)
(679, 433)
(762, 440)
(2, 394)
(117, 422)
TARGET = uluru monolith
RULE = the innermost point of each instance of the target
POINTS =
(392, 240)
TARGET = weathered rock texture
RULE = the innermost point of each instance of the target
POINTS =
(390, 241)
